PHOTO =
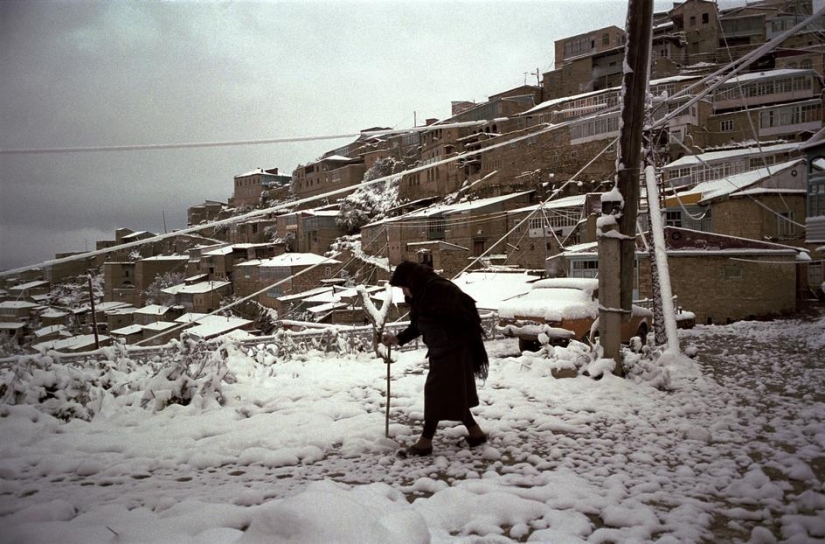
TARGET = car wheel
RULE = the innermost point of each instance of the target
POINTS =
(528, 345)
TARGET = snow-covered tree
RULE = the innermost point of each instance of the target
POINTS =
(371, 203)
(154, 293)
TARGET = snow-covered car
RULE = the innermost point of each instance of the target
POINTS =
(562, 309)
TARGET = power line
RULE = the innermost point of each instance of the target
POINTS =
(230, 143)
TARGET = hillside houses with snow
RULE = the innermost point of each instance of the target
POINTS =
(512, 182)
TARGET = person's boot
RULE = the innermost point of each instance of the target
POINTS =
(420, 449)
(476, 437)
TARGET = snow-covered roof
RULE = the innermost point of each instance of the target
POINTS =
(126, 331)
(771, 74)
(190, 317)
(576, 201)
(328, 307)
(322, 213)
(160, 326)
(167, 258)
(72, 343)
(555, 101)
(122, 311)
(769, 191)
(482, 202)
(112, 305)
(587, 247)
(152, 309)
(255, 172)
(440, 243)
(136, 234)
(253, 262)
(195, 278)
(226, 250)
(304, 294)
(195, 288)
(338, 158)
(17, 304)
(710, 156)
(297, 259)
(11, 325)
(51, 313)
(216, 325)
(29, 285)
(51, 329)
(709, 190)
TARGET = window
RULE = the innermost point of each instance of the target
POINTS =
(790, 115)
(705, 18)
(784, 224)
(425, 258)
(726, 125)
(734, 272)
(538, 223)
(673, 219)
(584, 269)
(692, 20)
(605, 39)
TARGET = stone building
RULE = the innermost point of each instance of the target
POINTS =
(202, 297)
(763, 204)
(127, 281)
(537, 232)
(288, 273)
(719, 278)
(723, 279)
(249, 187)
(327, 174)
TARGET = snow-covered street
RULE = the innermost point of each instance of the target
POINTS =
(733, 450)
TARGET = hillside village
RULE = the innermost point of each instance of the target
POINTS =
(511, 186)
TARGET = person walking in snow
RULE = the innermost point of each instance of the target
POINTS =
(447, 319)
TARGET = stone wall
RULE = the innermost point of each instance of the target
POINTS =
(720, 290)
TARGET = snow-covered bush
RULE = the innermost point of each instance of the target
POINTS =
(194, 373)
(62, 391)
(195, 376)
(154, 293)
(372, 202)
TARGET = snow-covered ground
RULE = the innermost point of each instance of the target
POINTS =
(733, 450)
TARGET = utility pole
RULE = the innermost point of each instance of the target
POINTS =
(617, 239)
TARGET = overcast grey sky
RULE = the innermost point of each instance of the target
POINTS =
(85, 74)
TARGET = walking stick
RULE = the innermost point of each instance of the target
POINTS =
(388, 360)
(378, 319)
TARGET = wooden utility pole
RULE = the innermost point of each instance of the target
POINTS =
(617, 242)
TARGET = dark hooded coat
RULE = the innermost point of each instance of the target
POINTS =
(448, 321)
